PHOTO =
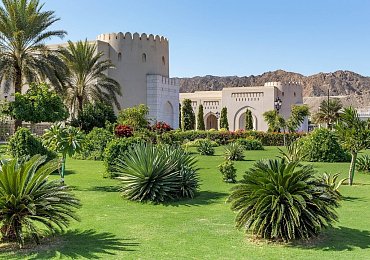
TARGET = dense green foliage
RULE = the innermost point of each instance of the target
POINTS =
(298, 114)
(28, 200)
(157, 173)
(95, 143)
(322, 145)
(248, 120)
(354, 135)
(363, 163)
(86, 80)
(282, 201)
(200, 119)
(234, 152)
(250, 143)
(224, 123)
(115, 151)
(187, 116)
(23, 143)
(38, 104)
(228, 171)
(274, 121)
(96, 114)
(197, 142)
(205, 147)
(136, 117)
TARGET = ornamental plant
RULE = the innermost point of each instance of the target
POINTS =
(161, 127)
(282, 200)
(206, 147)
(187, 116)
(200, 118)
(157, 173)
(29, 201)
(234, 152)
(228, 171)
(123, 131)
(224, 123)
(363, 163)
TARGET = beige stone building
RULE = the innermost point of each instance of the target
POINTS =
(257, 99)
(142, 70)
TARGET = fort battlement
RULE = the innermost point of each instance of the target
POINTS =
(283, 83)
(106, 37)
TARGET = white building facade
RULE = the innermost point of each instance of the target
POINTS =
(257, 99)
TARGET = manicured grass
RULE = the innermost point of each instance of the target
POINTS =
(202, 228)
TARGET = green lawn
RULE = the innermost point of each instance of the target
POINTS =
(202, 228)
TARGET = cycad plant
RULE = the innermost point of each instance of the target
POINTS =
(294, 152)
(363, 163)
(28, 201)
(157, 173)
(234, 151)
(281, 200)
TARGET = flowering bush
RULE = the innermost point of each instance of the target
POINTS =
(123, 131)
(161, 127)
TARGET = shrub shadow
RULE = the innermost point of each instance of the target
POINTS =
(67, 172)
(338, 239)
(109, 188)
(80, 244)
(202, 198)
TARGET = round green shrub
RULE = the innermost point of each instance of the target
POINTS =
(322, 146)
(250, 144)
(282, 200)
(205, 147)
(95, 143)
(24, 143)
(228, 171)
(115, 151)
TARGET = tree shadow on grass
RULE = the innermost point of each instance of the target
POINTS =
(202, 198)
(349, 198)
(79, 244)
(338, 239)
(67, 172)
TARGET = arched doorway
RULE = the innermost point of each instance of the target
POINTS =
(168, 114)
(211, 122)
(242, 121)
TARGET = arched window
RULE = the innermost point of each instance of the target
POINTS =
(295, 94)
(119, 56)
(143, 57)
(163, 60)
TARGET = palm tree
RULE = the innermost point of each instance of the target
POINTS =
(24, 58)
(329, 112)
(86, 80)
(354, 135)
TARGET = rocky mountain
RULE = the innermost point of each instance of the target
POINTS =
(352, 87)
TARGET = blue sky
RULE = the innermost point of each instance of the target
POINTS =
(232, 37)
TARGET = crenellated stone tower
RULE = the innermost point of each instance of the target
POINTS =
(142, 69)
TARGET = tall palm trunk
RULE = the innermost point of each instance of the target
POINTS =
(17, 89)
(80, 104)
(351, 173)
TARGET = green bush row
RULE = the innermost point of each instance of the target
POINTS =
(224, 137)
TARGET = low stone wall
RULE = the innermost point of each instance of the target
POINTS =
(7, 129)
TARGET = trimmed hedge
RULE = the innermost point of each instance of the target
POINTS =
(224, 137)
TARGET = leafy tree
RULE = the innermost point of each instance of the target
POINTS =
(86, 80)
(224, 123)
(248, 120)
(136, 117)
(38, 104)
(298, 115)
(28, 200)
(187, 116)
(180, 127)
(274, 121)
(354, 135)
(64, 140)
(200, 118)
(329, 112)
(282, 200)
(94, 115)
(24, 58)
